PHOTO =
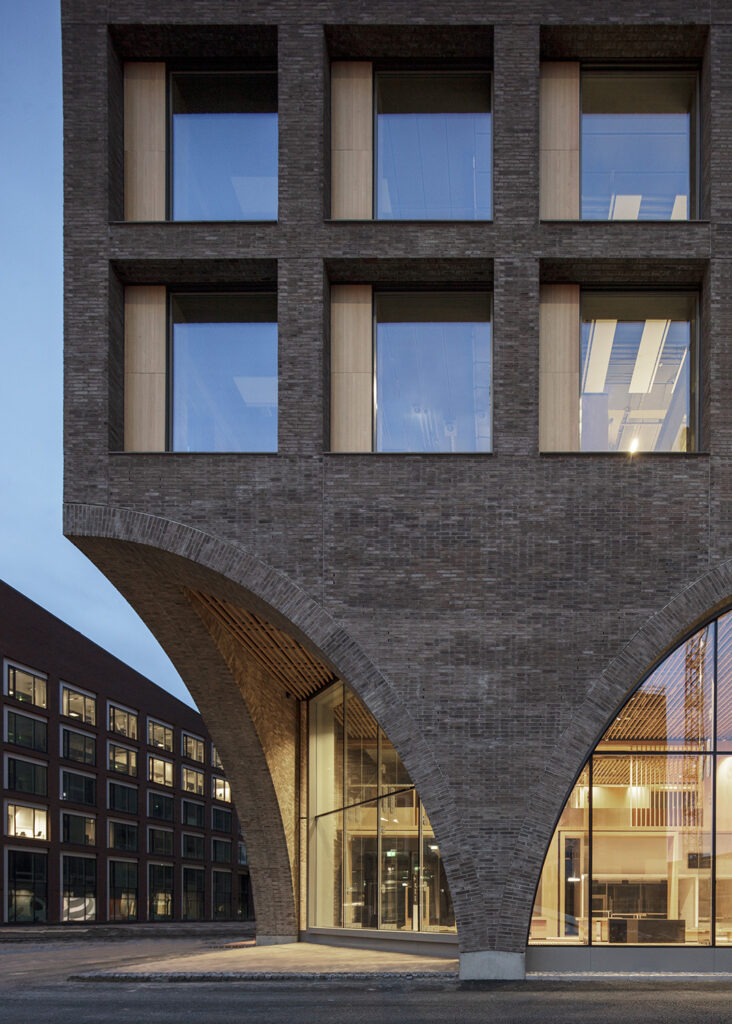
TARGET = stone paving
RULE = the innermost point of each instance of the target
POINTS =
(308, 961)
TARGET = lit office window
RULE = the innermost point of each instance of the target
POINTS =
(75, 704)
(221, 790)
(159, 771)
(123, 722)
(27, 822)
(433, 372)
(193, 748)
(193, 781)
(637, 372)
(224, 163)
(224, 373)
(159, 735)
(27, 686)
(631, 858)
(638, 132)
(433, 145)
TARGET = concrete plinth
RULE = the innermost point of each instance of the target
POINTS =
(492, 965)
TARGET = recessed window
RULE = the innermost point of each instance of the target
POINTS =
(193, 748)
(27, 886)
(241, 853)
(220, 819)
(432, 365)
(160, 842)
(194, 891)
(79, 789)
(78, 830)
(160, 892)
(26, 732)
(215, 759)
(223, 392)
(221, 790)
(159, 735)
(160, 771)
(122, 759)
(160, 806)
(27, 822)
(221, 851)
(77, 746)
(637, 372)
(224, 137)
(192, 814)
(122, 798)
(27, 776)
(123, 836)
(221, 895)
(79, 892)
(27, 686)
(433, 146)
(123, 722)
(637, 149)
(122, 891)
(192, 846)
(79, 705)
(193, 781)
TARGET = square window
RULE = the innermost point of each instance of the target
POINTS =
(192, 781)
(79, 705)
(223, 387)
(27, 686)
(638, 372)
(159, 735)
(160, 806)
(433, 145)
(432, 362)
(160, 771)
(193, 748)
(78, 830)
(123, 722)
(27, 822)
(122, 798)
(224, 140)
(26, 732)
(638, 144)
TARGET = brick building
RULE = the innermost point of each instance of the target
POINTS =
(397, 392)
(115, 803)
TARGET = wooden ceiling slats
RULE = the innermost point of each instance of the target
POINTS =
(294, 668)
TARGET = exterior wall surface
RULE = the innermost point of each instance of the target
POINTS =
(492, 611)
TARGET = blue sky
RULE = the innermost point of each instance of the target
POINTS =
(34, 556)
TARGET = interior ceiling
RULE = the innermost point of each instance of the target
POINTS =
(298, 672)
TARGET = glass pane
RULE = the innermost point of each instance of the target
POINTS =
(224, 147)
(636, 371)
(651, 849)
(560, 908)
(362, 867)
(724, 682)
(224, 373)
(433, 146)
(326, 751)
(433, 376)
(400, 882)
(636, 145)
(392, 773)
(326, 848)
(437, 912)
(361, 751)
(672, 710)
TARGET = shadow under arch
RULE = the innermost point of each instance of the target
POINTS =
(660, 634)
(156, 563)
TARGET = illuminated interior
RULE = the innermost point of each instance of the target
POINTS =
(373, 859)
(642, 852)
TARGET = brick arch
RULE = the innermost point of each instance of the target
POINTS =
(153, 561)
(659, 635)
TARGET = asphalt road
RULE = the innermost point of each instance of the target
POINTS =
(33, 990)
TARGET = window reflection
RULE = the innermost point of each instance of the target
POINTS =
(433, 372)
(224, 146)
(637, 371)
(433, 146)
(637, 135)
(224, 380)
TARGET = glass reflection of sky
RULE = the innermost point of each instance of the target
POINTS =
(225, 166)
(635, 166)
(615, 414)
(433, 387)
(225, 387)
(434, 166)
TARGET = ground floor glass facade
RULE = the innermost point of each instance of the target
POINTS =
(642, 852)
(373, 859)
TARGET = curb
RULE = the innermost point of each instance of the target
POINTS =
(329, 976)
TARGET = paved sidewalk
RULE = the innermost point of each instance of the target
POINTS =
(243, 961)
